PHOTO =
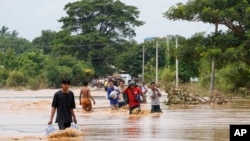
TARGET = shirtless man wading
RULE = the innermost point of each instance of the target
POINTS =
(85, 97)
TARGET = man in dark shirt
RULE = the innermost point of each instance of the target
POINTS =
(64, 103)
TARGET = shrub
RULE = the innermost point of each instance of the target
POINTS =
(16, 79)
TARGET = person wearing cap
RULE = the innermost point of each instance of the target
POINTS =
(131, 91)
(64, 103)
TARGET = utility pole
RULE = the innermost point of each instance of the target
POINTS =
(143, 60)
(176, 63)
(156, 63)
(168, 51)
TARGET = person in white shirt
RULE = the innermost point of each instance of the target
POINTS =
(121, 88)
(155, 95)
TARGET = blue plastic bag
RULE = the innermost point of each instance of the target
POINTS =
(139, 98)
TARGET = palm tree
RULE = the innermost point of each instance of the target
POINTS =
(14, 34)
(4, 31)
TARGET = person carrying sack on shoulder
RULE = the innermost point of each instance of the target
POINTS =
(131, 91)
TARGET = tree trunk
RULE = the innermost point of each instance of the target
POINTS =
(213, 65)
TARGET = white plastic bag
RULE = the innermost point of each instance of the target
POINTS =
(50, 129)
(74, 126)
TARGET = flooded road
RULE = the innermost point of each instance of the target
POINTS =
(24, 116)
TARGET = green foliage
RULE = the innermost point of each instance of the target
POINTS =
(15, 79)
(57, 68)
(4, 33)
(61, 44)
(102, 70)
(130, 60)
(80, 72)
(234, 15)
(189, 57)
(225, 48)
(54, 75)
(233, 76)
(204, 81)
(34, 83)
(66, 60)
(100, 20)
(44, 41)
(30, 63)
(167, 76)
(9, 58)
(94, 30)
(149, 74)
(95, 40)
(19, 45)
(3, 76)
(89, 73)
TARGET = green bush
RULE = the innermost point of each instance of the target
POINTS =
(232, 77)
(34, 84)
(54, 75)
(78, 74)
(16, 79)
(167, 78)
(3, 76)
(89, 73)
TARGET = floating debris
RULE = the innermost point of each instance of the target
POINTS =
(68, 132)
(183, 96)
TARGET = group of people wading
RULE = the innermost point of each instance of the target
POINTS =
(119, 96)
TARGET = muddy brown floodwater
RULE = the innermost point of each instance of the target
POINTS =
(24, 116)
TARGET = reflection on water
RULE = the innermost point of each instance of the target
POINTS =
(176, 123)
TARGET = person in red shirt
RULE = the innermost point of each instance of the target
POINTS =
(131, 91)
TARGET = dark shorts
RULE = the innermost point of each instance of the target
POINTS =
(121, 104)
(132, 108)
(125, 97)
(156, 109)
(63, 125)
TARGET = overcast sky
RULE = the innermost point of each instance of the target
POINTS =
(30, 17)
